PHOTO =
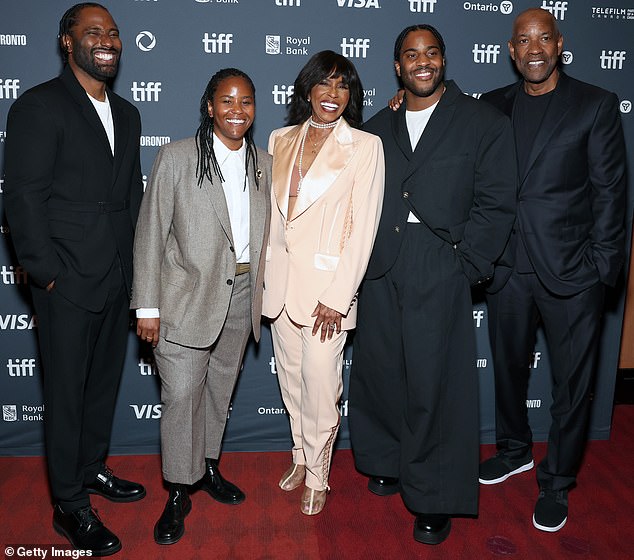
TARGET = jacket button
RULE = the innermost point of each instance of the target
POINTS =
(231, 249)
(229, 282)
(405, 194)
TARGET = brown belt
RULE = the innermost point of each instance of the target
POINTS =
(242, 268)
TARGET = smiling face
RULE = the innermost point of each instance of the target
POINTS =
(535, 48)
(421, 68)
(93, 45)
(233, 110)
(329, 99)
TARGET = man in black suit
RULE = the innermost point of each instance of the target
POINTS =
(72, 193)
(567, 246)
(447, 212)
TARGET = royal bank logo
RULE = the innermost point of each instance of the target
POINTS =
(151, 141)
(505, 7)
(10, 412)
(567, 57)
(146, 411)
(422, 6)
(143, 92)
(12, 40)
(282, 94)
(604, 12)
(288, 3)
(145, 41)
(217, 43)
(625, 106)
(13, 275)
(217, 1)
(612, 60)
(368, 97)
(9, 88)
(355, 48)
(485, 54)
(358, 3)
(556, 8)
(294, 46)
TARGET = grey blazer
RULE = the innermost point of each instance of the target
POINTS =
(184, 260)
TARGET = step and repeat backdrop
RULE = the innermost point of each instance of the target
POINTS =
(171, 49)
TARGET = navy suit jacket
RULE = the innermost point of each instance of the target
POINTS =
(59, 166)
(460, 181)
(571, 197)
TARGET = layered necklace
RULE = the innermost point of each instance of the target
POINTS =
(322, 126)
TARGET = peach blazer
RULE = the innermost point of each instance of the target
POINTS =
(320, 253)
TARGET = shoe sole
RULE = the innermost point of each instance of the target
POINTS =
(96, 553)
(518, 470)
(549, 529)
(173, 540)
(134, 498)
(382, 489)
(432, 538)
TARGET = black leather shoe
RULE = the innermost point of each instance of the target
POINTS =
(431, 528)
(383, 485)
(85, 531)
(171, 525)
(217, 487)
(115, 489)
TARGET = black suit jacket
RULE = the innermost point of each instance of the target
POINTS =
(571, 198)
(59, 167)
(460, 181)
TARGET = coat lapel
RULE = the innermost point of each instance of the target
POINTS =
(257, 217)
(436, 128)
(88, 111)
(219, 202)
(121, 132)
(557, 109)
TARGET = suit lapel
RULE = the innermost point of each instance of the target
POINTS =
(121, 132)
(257, 217)
(219, 202)
(436, 127)
(331, 160)
(557, 109)
(399, 131)
(285, 152)
(87, 109)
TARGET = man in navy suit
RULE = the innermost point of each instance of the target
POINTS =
(72, 193)
(567, 246)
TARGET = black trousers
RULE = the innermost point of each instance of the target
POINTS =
(572, 326)
(413, 393)
(82, 356)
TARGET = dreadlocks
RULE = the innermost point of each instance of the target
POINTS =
(69, 20)
(207, 161)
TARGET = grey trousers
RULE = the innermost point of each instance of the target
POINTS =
(196, 389)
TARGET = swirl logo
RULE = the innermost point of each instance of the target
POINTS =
(145, 41)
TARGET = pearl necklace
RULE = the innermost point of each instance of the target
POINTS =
(314, 124)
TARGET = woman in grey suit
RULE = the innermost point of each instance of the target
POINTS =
(198, 258)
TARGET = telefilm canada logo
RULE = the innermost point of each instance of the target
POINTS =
(612, 13)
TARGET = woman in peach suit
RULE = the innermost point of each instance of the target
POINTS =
(327, 192)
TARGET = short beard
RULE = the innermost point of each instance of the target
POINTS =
(87, 63)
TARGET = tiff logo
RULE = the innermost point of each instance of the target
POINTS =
(145, 92)
(485, 54)
(536, 357)
(282, 94)
(9, 88)
(556, 8)
(418, 6)
(147, 368)
(478, 315)
(355, 48)
(13, 275)
(218, 43)
(288, 2)
(21, 368)
(612, 60)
